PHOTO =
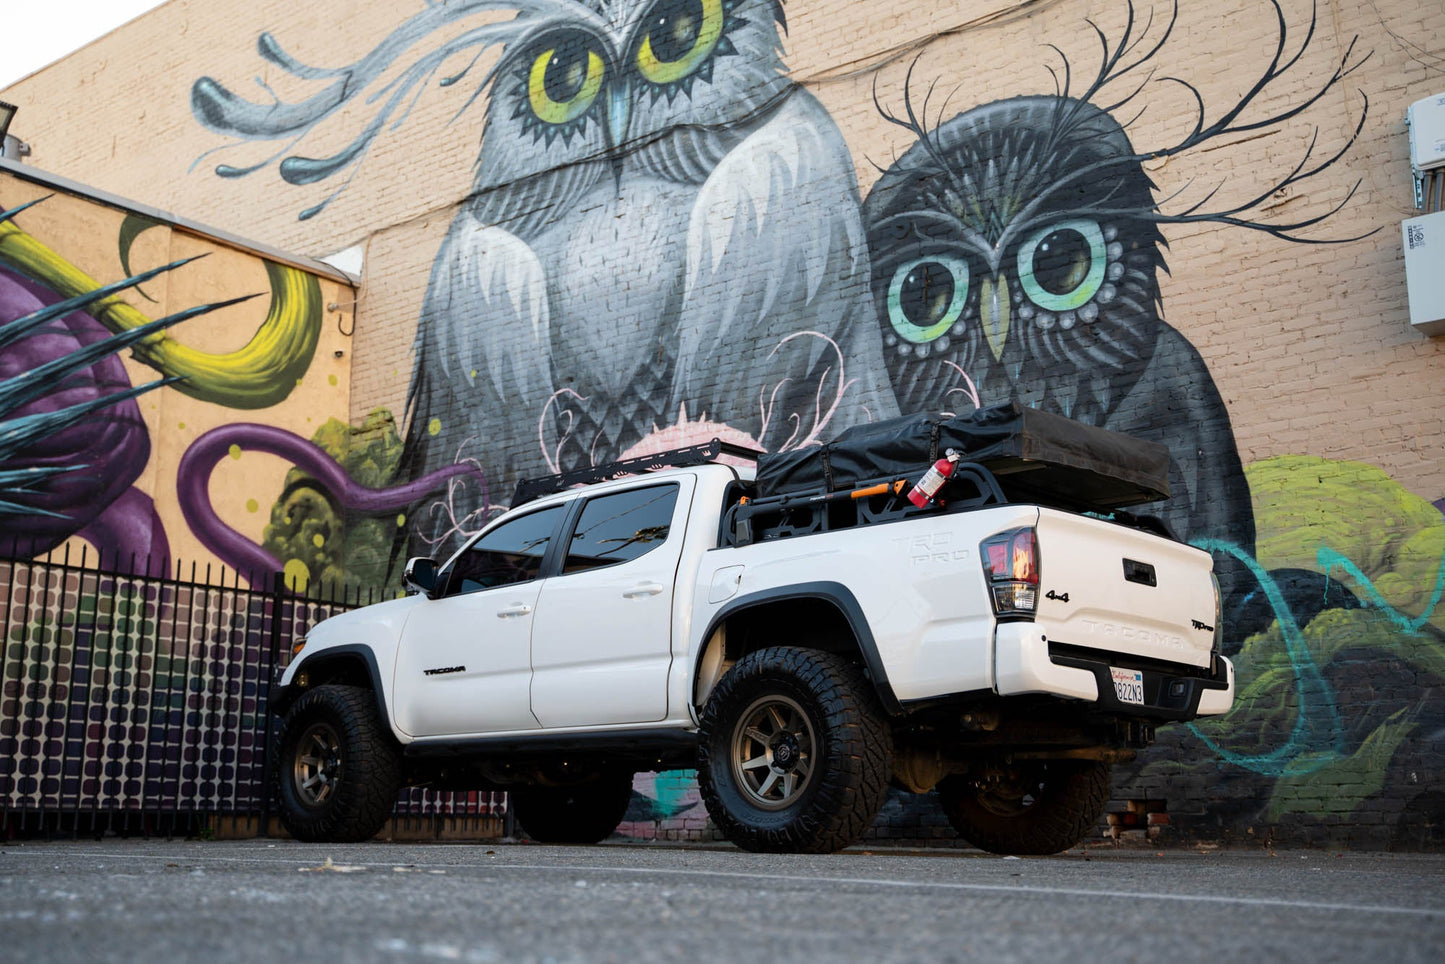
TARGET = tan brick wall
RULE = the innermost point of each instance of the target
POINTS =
(116, 115)
(83, 234)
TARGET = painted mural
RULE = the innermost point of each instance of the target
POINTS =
(663, 231)
(72, 442)
(665, 238)
(75, 441)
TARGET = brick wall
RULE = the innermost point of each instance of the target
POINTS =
(1295, 371)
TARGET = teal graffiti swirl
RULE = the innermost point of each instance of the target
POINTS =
(1331, 560)
(1318, 729)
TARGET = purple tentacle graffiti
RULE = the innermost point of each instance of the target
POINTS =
(131, 529)
(194, 476)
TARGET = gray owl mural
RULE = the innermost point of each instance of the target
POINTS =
(663, 231)
(1016, 251)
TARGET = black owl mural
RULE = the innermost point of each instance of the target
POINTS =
(1016, 250)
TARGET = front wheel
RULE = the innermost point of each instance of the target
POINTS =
(794, 752)
(582, 813)
(1031, 807)
(339, 770)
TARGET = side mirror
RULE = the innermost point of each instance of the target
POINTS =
(420, 575)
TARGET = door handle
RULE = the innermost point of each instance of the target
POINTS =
(520, 609)
(642, 589)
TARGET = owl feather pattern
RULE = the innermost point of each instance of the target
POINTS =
(662, 227)
(676, 212)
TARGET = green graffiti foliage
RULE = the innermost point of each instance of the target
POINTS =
(314, 536)
(1317, 734)
(1342, 785)
(1353, 523)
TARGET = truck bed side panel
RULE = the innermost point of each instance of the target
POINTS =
(919, 583)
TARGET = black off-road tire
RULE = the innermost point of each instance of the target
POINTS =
(811, 716)
(338, 769)
(584, 813)
(1048, 807)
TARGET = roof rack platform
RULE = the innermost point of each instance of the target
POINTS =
(707, 452)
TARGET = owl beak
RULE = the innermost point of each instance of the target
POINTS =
(619, 115)
(993, 310)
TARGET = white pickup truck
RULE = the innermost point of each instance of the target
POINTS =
(802, 651)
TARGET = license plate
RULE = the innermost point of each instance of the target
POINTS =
(1128, 685)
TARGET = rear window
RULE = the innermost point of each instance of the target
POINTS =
(621, 527)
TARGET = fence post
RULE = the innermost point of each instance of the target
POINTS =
(278, 594)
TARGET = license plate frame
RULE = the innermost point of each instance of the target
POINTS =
(1128, 685)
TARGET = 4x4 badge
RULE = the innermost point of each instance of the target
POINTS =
(1062, 597)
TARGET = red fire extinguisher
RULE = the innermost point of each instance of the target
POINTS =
(933, 479)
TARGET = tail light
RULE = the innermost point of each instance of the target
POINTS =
(1218, 624)
(1011, 564)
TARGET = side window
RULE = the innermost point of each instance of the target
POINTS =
(621, 527)
(510, 553)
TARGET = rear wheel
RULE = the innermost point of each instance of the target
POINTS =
(339, 770)
(794, 752)
(583, 813)
(1031, 807)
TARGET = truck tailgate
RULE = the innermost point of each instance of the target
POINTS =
(1114, 589)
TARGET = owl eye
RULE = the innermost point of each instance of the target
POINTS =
(564, 81)
(926, 296)
(681, 34)
(1062, 266)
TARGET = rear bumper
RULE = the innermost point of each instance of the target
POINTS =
(1026, 662)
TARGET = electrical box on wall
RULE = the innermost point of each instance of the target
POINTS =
(1427, 132)
(1424, 239)
(1425, 120)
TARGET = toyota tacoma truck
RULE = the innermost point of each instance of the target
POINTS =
(800, 631)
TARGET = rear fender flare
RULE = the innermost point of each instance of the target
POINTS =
(834, 593)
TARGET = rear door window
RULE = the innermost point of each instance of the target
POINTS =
(621, 527)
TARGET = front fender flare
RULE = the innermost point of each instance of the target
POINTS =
(281, 697)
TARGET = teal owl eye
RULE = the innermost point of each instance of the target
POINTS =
(926, 297)
(1062, 266)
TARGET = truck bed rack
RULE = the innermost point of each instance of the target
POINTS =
(972, 486)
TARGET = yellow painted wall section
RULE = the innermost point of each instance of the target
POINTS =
(65, 241)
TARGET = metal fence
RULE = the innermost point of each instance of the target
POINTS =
(137, 703)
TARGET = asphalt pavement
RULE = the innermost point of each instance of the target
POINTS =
(275, 901)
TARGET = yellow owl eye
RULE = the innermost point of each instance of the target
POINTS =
(563, 82)
(681, 36)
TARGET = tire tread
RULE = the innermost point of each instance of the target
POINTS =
(850, 795)
(1073, 805)
(367, 796)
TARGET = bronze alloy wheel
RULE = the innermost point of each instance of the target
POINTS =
(773, 752)
(316, 768)
(339, 768)
(794, 752)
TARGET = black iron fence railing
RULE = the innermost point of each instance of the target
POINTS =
(132, 702)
